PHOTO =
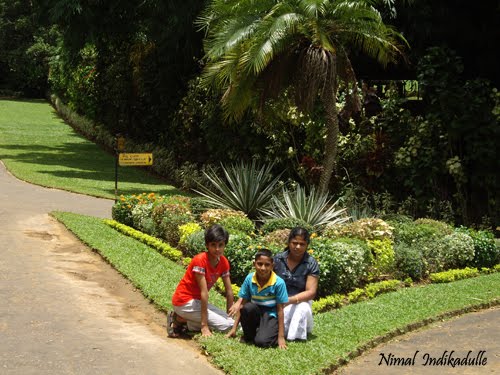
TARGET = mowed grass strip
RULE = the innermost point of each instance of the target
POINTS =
(336, 333)
(38, 147)
(152, 273)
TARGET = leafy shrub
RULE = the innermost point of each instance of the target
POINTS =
(141, 218)
(415, 232)
(315, 208)
(365, 229)
(197, 206)
(408, 262)
(216, 215)
(486, 252)
(240, 251)
(164, 249)
(332, 301)
(270, 225)
(342, 265)
(122, 212)
(391, 219)
(277, 239)
(372, 290)
(185, 231)
(195, 243)
(122, 209)
(441, 227)
(383, 257)
(238, 225)
(453, 275)
(457, 250)
(177, 199)
(245, 187)
(168, 217)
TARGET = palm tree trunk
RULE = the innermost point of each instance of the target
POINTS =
(331, 141)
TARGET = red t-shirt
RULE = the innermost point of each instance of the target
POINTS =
(188, 288)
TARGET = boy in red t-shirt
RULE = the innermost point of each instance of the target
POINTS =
(190, 299)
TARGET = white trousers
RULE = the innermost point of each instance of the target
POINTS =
(218, 320)
(298, 321)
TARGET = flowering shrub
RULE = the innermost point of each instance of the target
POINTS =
(122, 209)
(486, 253)
(141, 218)
(457, 250)
(365, 229)
(216, 215)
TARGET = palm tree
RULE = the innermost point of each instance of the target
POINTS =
(255, 49)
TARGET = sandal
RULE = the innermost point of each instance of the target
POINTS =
(174, 328)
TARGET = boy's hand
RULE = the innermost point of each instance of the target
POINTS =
(282, 343)
(205, 331)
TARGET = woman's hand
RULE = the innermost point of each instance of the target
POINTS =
(231, 333)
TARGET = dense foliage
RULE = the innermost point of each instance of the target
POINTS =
(133, 67)
(350, 255)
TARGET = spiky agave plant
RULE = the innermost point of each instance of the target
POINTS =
(246, 187)
(315, 208)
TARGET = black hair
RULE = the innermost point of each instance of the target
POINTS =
(264, 253)
(216, 233)
(301, 232)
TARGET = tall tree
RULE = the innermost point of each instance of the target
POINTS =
(256, 49)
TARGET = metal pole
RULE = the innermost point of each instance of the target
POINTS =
(116, 177)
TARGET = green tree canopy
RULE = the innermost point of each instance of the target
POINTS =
(256, 49)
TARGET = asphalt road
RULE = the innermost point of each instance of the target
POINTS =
(63, 310)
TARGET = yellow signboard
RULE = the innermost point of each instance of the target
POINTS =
(135, 159)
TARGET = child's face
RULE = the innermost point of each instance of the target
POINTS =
(263, 266)
(216, 249)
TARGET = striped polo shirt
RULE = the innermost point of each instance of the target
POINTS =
(267, 296)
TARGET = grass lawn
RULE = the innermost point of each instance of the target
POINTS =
(336, 333)
(38, 147)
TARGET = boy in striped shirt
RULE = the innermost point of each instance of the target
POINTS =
(262, 298)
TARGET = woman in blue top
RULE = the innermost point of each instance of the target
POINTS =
(300, 271)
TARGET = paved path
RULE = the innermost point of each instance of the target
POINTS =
(63, 310)
(475, 332)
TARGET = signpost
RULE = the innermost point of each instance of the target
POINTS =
(125, 159)
(135, 159)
